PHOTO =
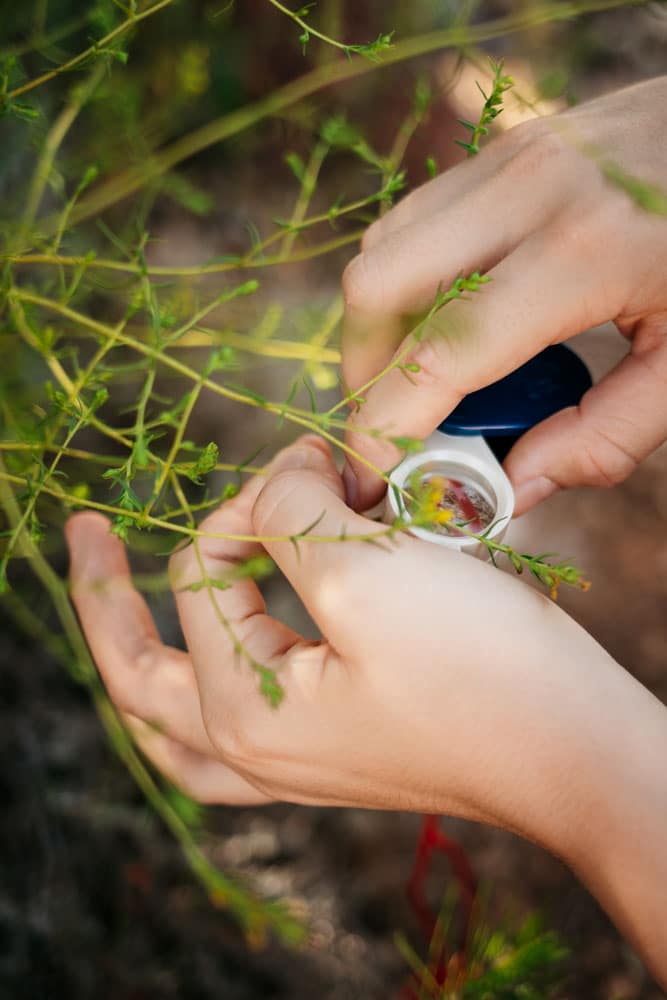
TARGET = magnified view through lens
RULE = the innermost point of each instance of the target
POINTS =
(452, 489)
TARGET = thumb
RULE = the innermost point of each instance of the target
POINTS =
(470, 343)
(618, 423)
(301, 518)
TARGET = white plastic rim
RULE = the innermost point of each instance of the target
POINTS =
(470, 457)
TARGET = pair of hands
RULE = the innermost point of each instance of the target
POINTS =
(406, 703)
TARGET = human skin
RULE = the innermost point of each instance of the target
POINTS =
(405, 703)
(566, 250)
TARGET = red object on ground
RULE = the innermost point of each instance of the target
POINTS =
(432, 839)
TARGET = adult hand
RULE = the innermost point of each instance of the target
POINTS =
(404, 704)
(566, 249)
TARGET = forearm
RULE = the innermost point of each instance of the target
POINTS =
(621, 787)
(625, 857)
(585, 748)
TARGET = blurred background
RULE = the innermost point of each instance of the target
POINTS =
(95, 898)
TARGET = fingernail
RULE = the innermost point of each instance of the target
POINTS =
(533, 492)
(351, 486)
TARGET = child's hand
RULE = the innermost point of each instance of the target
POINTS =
(567, 249)
(441, 685)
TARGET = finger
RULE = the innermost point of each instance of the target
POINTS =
(227, 631)
(400, 274)
(213, 618)
(371, 332)
(143, 676)
(202, 778)
(306, 491)
(539, 295)
(232, 640)
(618, 423)
(438, 194)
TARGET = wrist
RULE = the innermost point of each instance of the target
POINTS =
(621, 848)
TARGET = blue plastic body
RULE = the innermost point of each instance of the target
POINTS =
(502, 412)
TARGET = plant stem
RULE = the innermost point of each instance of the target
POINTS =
(318, 79)
(196, 270)
(92, 50)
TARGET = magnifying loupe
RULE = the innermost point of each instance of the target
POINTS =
(462, 458)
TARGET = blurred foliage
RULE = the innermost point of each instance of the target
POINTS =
(522, 963)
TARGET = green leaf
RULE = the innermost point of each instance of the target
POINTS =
(255, 568)
(187, 195)
(408, 444)
(516, 561)
(222, 358)
(121, 526)
(27, 112)
(248, 393)
(207, 461)
(311, 394)
(209, 582)
(296, 165)
(270, 686)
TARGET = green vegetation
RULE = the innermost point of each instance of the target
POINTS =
(110, 348)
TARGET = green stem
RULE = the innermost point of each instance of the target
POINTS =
(301, 418)
(255, 916)
(195, 271)
(52, 144)
(92, 50)
(318, 79)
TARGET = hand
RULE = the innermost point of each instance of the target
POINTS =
(404, 704)
(566, 249)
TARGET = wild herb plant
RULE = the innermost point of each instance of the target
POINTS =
(524, 962)
(493, 106)
(108, 356)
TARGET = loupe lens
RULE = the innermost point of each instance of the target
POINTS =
(469, 497)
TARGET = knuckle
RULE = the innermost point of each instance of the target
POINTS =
(123, 685)
(368, 280)
(606, 461)
(181, 566)
(148, 660)
(404, 213)
(583, 236)
(339, 587)
(357, 282)
(121, 694)
(436, 361)
(275, 502)
(234, 740)
(569, 235)
(427, 361)
(534, 148)
(515, 138)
